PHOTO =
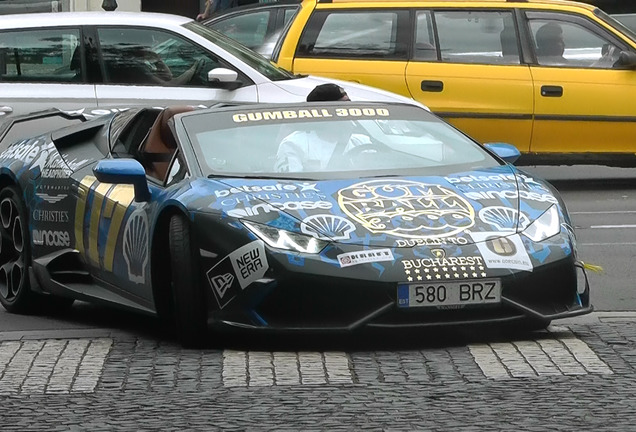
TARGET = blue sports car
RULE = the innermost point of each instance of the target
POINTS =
(326, 216)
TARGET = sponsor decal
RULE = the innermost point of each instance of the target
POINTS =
(272, 207)
(249, 262)
(300, 187)
(327, 227)
(50, 215)
(50, 198)
(136, 246)
(502, 252)
(406, 209)
(27, 151)
(257, 116)
(490, 178)
(237, 270)
(43, 156)
(222, 283)
(503, 218)
(279, 196)
(511, 194)
(432, 242)
(369, 256)
(442, 267)
(51, 238)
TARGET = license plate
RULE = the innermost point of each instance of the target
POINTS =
(449, 293)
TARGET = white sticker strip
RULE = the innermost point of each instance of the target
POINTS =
(361, 257)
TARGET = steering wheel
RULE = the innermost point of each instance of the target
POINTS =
(365, 150)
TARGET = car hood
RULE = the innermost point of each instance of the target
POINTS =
(459, 208)
(357, 92)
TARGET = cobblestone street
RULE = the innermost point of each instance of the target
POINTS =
(575, 376)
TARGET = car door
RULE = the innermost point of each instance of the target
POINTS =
(368, 46)
(466, 66)
(584, 101)
(142, 65)
(46, 62)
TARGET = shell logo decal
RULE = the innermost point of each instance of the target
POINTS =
(407, 209)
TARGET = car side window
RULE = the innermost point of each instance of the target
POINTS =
(470, 36)
(569, 44)
(178, 170)
(153, 57)
(250, 29)
(425, 46)
(353, 34)
(44, 56)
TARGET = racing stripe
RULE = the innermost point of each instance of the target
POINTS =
(80, 210)
(123, 195)
(99, 192)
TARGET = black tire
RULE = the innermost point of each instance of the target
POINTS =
(188, 299)
(15, 254)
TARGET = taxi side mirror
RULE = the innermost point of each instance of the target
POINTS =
(626, 60)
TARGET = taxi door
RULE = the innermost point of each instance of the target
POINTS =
(470, 73)
(585, 101)
(367, 46)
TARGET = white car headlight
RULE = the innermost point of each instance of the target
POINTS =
(281, 239)
(546, 226)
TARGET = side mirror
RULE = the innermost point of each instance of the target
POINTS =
(507, 152)
(626, 60)
(224, 78)
(124, 171)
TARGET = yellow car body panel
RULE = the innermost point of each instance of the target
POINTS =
(596, 112)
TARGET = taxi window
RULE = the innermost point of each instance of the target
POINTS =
(560, 42)
(486, 37)
(354, 34)
(45, 55)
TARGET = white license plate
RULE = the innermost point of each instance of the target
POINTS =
(449, 293)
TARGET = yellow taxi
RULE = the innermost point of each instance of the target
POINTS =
(555, 78)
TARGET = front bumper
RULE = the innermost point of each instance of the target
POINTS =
(326, 304)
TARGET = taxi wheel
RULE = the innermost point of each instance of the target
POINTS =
(15, 254)
(189, 306)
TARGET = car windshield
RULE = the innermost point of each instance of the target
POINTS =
(246, 55)
(616, 24)
(330, 140)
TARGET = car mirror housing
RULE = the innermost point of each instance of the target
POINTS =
(224, 78)
(626, 60)
(507, 152)
(124, 171)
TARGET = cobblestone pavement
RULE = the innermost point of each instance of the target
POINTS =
(578, 376)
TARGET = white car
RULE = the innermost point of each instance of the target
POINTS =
(103, 59)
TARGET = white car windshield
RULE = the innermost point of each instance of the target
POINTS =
(330, 140)
(251, 58)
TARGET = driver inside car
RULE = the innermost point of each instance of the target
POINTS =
(156, 70)
(320, 148)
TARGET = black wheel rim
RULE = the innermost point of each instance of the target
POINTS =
(11, 250)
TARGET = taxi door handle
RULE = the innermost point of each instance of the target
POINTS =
(432, 86)
(551, 91)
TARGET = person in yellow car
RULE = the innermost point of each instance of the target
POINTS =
(550, 45)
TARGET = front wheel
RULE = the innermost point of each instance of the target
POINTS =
(15, 254)
(188, 299)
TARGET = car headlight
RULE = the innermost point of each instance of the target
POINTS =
(546, 226)
(281, 239)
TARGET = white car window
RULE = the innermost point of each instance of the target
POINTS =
(153, 57)
(40, 56)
